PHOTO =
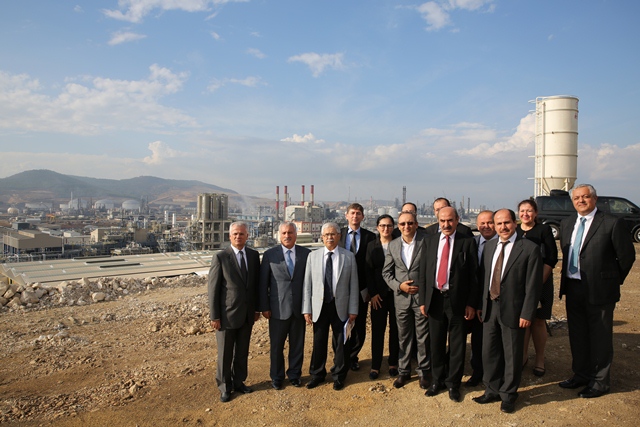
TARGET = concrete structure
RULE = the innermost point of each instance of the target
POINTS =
(307, 218)
(25, 242)
(556, 143)
(210, 229)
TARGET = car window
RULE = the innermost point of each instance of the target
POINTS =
(621, 206)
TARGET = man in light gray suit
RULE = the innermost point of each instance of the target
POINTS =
(404, 271)
(330, 299)
(280, 301)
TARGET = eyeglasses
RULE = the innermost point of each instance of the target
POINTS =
(408, 223)
(385, 225)
(329, 234)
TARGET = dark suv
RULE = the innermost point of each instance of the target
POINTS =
(554, 208)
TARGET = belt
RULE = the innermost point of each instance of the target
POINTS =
(444, 293)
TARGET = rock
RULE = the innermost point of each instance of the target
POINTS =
(62, 286)
(98, 296)
(41, 292)
(4, 287)
(14, 302)
(85, 282)
(134, 389)
(192, 330)
(10, 292)
(3, 301)
(29, 297)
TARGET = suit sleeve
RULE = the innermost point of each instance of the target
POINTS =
(264, 284)
(533, 284)
(475, 289)
(623, 246)
(214, 288)
(389, 272)
(307, 287)
(376, 283)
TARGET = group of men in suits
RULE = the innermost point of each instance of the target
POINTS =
(442, 279)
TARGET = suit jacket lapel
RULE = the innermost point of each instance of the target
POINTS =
(597, 221)
(416, 249)
(515, 253)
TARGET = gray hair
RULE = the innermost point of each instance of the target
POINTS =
(239, 224)
(592, 190)
(288, 224)
(330, 225)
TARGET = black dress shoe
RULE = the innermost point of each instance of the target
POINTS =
(507, 407)
(434, 389)
(225, 397)
(373, 375)
(295, 382)
(590, 393)
(243, 389)
(276, 384)
(572, 382)
(454, 394)
(355, 366)
(474, 380)
(338, 385)
(485, 398)
(315, 382)
(393, 372)
(401, 381)
(424, 382)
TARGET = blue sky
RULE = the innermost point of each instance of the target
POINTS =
(358, 97)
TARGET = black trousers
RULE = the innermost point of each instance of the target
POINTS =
(359, 331)
(279, 330)
(474, 327)
(329, 319)
(590, 336)
(443, 323)
(378, 329)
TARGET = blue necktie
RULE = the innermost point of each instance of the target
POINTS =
(575, 250)
(289, 263)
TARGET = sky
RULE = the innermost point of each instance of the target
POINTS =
(357, 97)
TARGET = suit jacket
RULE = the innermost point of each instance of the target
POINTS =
(463, 280)
(230, 299)
(375, 263)
(366, 236)
(521, 282)
(347, 291)
(606, 256)
(395, 271)
(279, 292)
(460, 229)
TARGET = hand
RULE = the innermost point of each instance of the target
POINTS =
(256, 316)
(479, 314)
(352, 318)
(423, 310)
(267, 314)
(408, 288)
(524, 323)
(376, 302)
(469, 313)
(215, 324)
(309, 319)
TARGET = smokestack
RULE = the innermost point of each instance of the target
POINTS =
(302, 200)
(404, 195)
(277, 202)
(312, 201)
(286, 199)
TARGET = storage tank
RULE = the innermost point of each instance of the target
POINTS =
(556, 143)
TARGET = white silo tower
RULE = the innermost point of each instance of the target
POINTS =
(556, 143)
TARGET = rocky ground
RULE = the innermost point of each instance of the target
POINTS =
(141, 353)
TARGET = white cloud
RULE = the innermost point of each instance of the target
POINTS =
(317, 63)
(257, 53)
(92, 107)
(303, 139)
(491, 145)
(78, 9)
(124, 37)
(215, 35)
(437, 14)
(250, 81)
(160, 152)
(135, 10)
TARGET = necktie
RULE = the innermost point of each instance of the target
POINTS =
(480, 249)
(444, 264)
(354, 248)
(243, 267)
(289, 263)
(328, 279)
(575, 249)
(494, 289)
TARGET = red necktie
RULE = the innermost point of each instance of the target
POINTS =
(444, 264)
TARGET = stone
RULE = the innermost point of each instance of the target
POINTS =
(85, 282)
(3, 301)
(98, 296)
(4, 287)
(9, 293)
(192, 330)
(29, 297)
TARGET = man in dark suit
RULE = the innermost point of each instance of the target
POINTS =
(233, 292)
(280, 301)
(512, 285)
(597, 254)
(404, 271)
(448, 296)
(330, 299)
(484, 222)
(438, 204)
(356, 239)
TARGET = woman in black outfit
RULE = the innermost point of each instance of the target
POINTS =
(541, 235)
(382, 306)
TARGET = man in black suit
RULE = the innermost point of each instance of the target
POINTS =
(448, 296)
(597, 254)
(233, 292)
(484, 222)
(280, 301)
(356, 239)
(512, 284)
(438, 204)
